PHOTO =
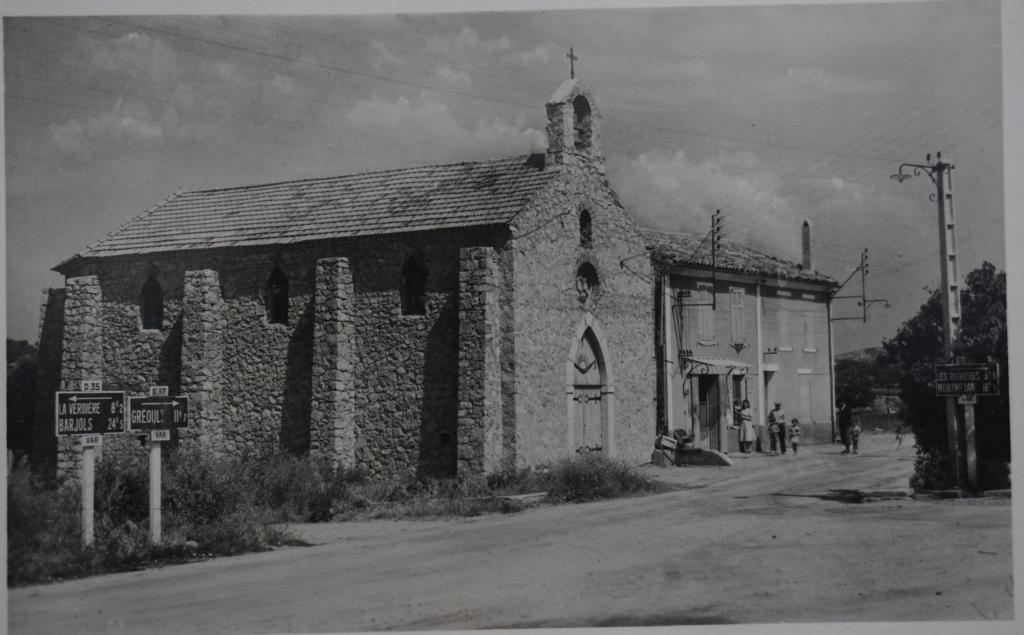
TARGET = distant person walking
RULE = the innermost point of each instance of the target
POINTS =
(777, 422)
(745, 418)
(794, 435)
(845, 415)
(899, 436)
(855, 435)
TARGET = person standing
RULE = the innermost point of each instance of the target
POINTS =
(855, 435)
(777, 420)
(773, 435)
(745, 417)
(794, 435)
(844, 415)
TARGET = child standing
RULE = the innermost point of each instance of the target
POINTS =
(773, 432)
(794, 434)
(855, 434)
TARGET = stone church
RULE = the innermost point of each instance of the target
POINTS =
(438, 320)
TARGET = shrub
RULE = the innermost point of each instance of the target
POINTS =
(592, 476)
(43, 530)
(931, 470)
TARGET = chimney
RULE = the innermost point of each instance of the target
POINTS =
(806, 240)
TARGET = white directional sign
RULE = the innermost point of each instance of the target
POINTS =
(158, 413)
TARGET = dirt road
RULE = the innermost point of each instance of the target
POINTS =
(772, 539)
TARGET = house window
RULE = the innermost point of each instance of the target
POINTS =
(736, 311)
(151, 304)
(586, 232)
(414, 288)
(809, 346)
(277, 297)
(705, 315)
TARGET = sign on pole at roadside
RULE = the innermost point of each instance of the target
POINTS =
(953, 380)
(157, 413)
(89, 412)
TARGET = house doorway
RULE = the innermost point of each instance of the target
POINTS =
(709, 411)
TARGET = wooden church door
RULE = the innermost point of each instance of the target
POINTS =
(589, 412)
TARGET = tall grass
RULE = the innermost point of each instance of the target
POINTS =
(224, 506)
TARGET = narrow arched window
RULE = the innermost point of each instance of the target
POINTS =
(581, 122)
(151, 304)
(414, 288)
(586, 232)
(277, 297)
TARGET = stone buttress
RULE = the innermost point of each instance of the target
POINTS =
(202, 357)
(332, 425)
(480, 434)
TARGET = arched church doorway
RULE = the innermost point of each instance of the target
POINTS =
(590, 416)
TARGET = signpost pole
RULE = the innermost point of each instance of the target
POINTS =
(88, 493)
(972, 456)
(155, 521)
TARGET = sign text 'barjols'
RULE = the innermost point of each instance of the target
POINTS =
(89, 412)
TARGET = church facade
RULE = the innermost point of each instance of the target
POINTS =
(439, 320)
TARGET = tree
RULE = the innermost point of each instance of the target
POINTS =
(854, 380)
(21, 383)
(917, 348)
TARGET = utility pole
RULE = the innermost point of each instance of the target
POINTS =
(716, 244)
(941, 174)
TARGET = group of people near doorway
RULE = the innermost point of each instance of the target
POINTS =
(778, 430)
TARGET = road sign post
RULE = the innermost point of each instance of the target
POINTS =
(155, 518)
(157, 414)
(89, 444)
(967, 382)
(88, 414)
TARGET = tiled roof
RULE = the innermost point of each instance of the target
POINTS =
(392, 201)
(682, 250)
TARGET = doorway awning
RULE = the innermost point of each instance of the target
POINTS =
(713, 366)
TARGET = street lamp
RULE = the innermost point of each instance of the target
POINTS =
(941, 174)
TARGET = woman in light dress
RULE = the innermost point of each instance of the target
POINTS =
(745, 419)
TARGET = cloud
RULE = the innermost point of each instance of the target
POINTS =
(454, 77)
(430, 124)
(124, 125)
(677, 193)
(808, 78)
(384, 58)
(466, 42)
(539, 54)
(139, 56)
(693, 69)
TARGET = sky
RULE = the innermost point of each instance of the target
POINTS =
(773, 114)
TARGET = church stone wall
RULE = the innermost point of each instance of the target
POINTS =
(251, 384)
(545, 256)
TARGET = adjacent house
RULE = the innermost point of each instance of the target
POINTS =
(741, 325)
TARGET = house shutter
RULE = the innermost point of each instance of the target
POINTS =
(738, 327)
